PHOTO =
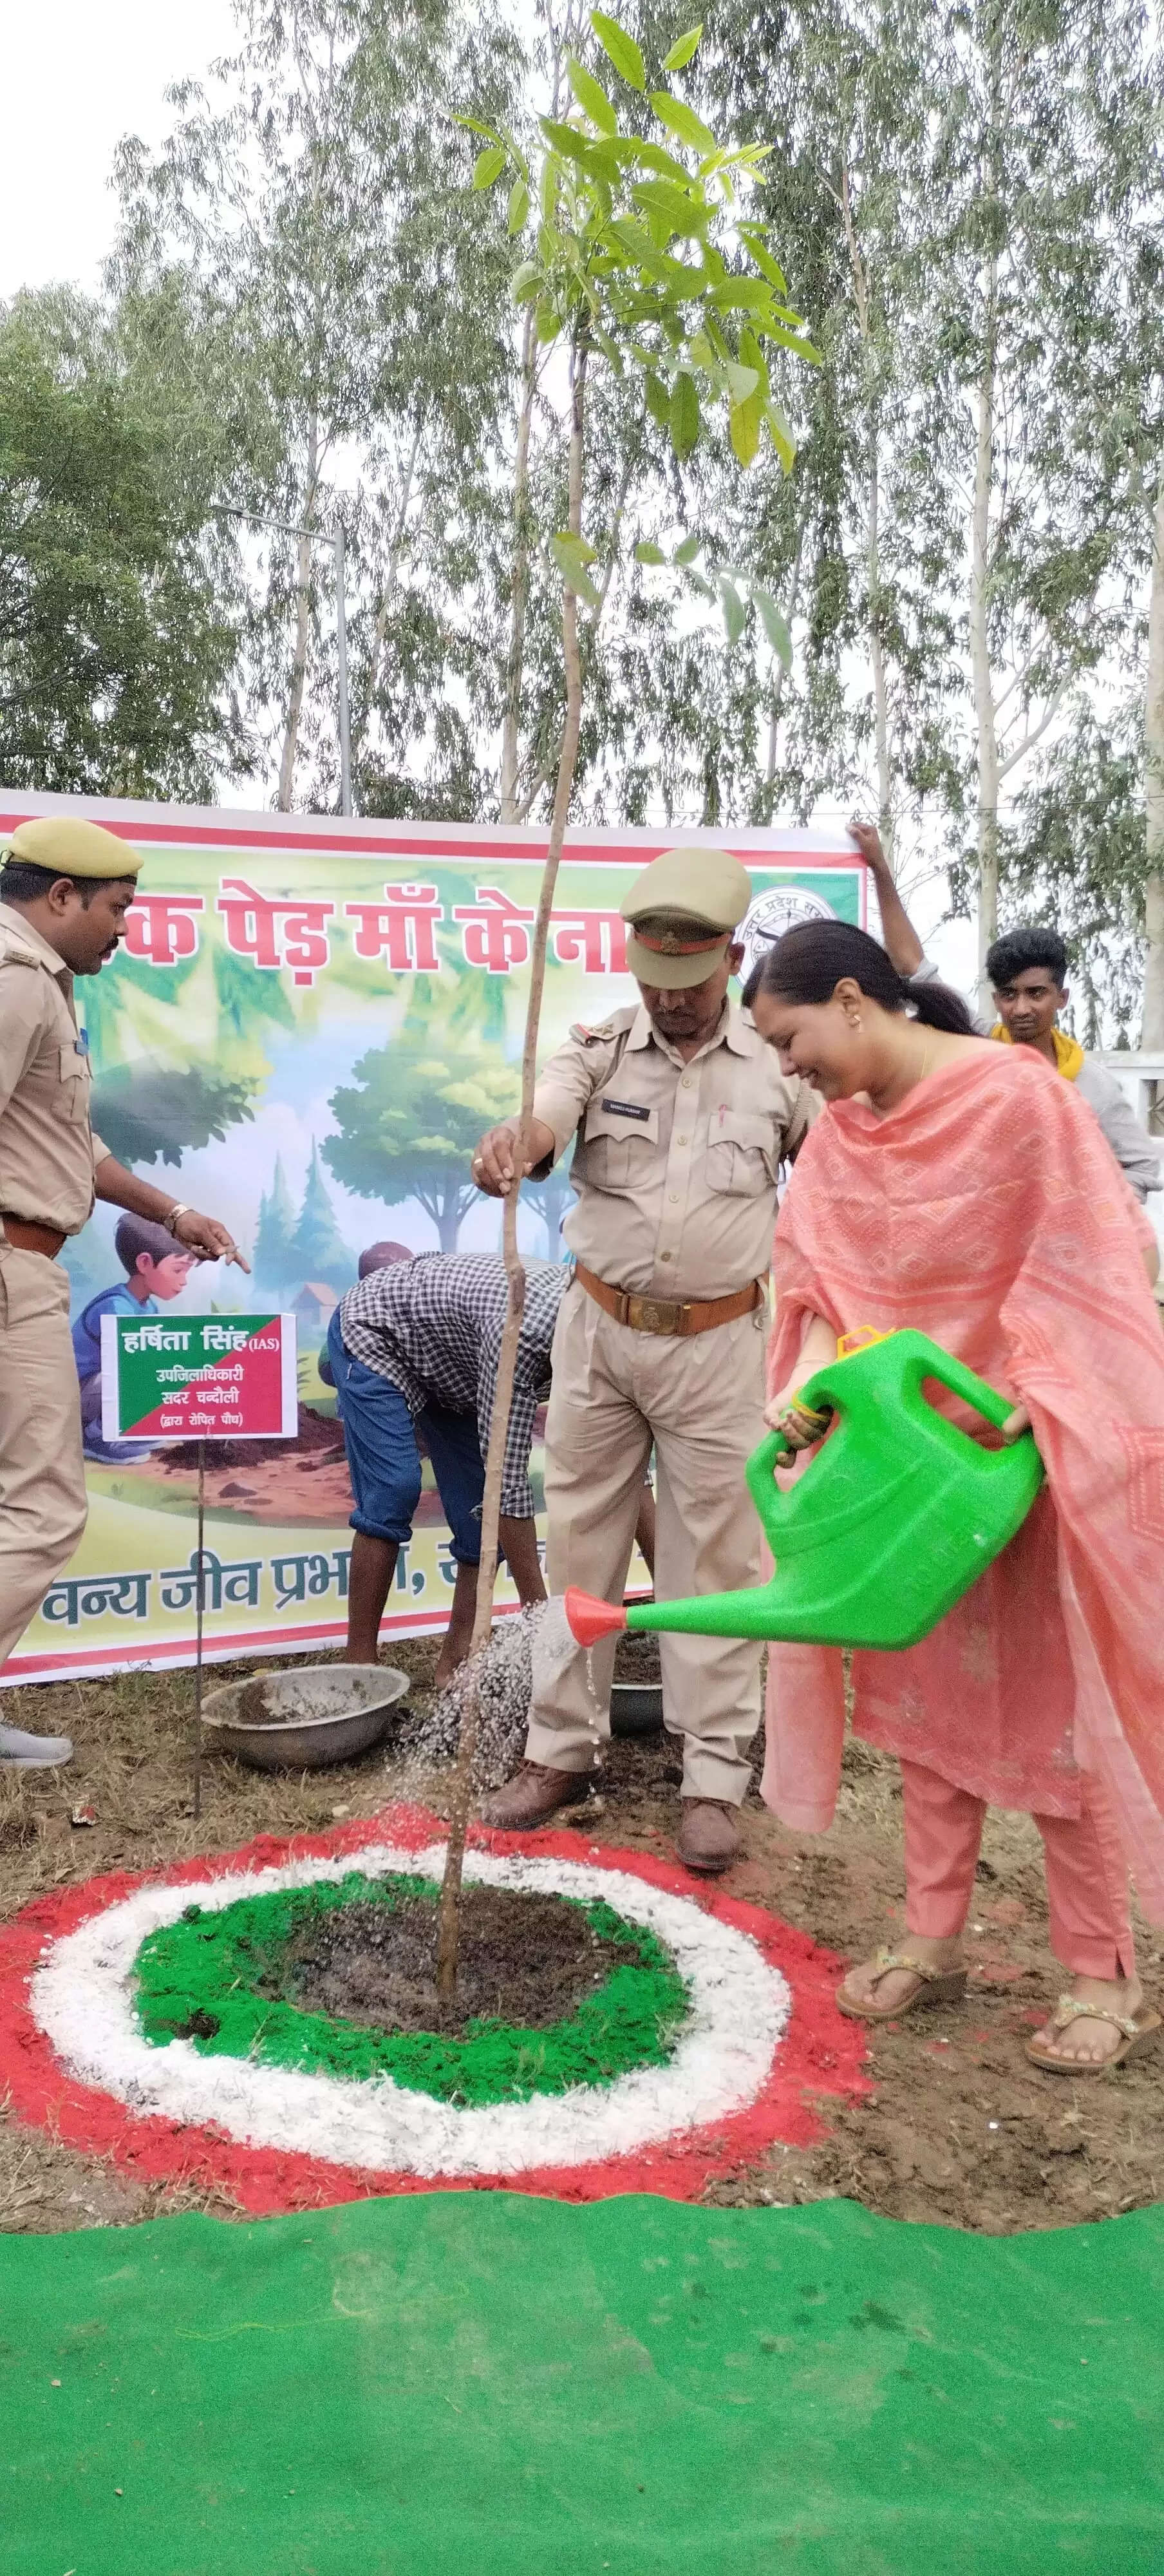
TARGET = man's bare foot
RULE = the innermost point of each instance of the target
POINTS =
(449, 1661)
(1083, 2042)
(359, 1655)
(889, 1990)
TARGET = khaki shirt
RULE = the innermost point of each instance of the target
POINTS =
(676, 1164)
(48, 1152)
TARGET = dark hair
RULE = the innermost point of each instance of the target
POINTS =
(1034, 944)
(136, 1234)
(20, 882)
(808, 963)
(381, 1256)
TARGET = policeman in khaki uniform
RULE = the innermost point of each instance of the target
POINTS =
(682, 1120)
(65, 888)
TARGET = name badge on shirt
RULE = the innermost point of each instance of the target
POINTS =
(81, 1042)
(624, 1108)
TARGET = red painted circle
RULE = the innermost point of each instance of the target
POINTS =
(820, 2053)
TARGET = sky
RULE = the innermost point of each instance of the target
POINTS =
(78, 75)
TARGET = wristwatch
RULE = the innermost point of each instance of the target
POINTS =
(170, 1222)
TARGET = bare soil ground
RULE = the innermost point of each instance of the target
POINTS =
(959, 2129)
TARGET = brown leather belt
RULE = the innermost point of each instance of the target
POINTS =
(660, 1315)
(26, 1237)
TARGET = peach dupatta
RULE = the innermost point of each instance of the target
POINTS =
(989, 1211)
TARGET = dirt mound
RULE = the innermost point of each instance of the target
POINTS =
(529, 1960)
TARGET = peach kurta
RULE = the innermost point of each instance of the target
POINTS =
(988, 1211)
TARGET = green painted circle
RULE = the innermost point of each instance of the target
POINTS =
(199, 1979)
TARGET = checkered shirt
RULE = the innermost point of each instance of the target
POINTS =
(433, 1328)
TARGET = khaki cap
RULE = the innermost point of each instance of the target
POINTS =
(683, 909)
(73, 847)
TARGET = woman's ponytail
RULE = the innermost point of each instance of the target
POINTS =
(809, 962)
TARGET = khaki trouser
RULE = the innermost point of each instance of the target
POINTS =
(42, 1471)
(701, 1402)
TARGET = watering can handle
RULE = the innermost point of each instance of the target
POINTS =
(994, 1408)
(760, 1467)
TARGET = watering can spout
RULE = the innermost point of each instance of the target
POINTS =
(589, 1620)
(896, 1515)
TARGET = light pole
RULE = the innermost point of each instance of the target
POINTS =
(333, 537)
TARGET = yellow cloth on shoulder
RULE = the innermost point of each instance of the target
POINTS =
(1069, 1055)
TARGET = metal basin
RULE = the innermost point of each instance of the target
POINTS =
(302, 1721)
(636, 1708)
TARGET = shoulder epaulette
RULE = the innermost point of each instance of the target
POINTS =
(593, 1037)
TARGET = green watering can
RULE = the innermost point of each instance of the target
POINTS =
(894, 1519)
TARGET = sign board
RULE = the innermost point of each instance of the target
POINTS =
(310, 1022)
(198, 1377)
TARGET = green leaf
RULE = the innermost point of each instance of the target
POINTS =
(647, 553)
(742, 381)
(685, 423)
(743, 295)
(658, 401)
(474, 126)
(572, 555)
(789, 340)
(753, 236)
(775, 626)
(651, 156)
(619, 48)
(564, 138)
(578, 548)
(682, 121)
(780, 435)
(735, 615)
(547, 320)
(518, 206)
(686, 553)
(525, 281)
(591, 96)
(682, 50)
(681, 212)
(489, 165)
(744, 422)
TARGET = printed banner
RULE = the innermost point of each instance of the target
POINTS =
(199, 1378)
(307, 1029)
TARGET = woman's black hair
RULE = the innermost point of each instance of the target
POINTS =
(807, 965)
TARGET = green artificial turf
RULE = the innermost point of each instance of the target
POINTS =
(493, 2385)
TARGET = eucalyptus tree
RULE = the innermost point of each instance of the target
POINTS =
(117, 638)
(306, 197)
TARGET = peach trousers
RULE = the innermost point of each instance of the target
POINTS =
(1087, 1881)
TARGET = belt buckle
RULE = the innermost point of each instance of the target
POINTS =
(653, 1314)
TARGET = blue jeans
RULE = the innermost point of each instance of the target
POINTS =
(384, 1461)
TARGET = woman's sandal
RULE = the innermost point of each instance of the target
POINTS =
(938, 1986)
(1134, 2028)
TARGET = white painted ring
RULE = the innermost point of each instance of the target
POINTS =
(82, 1998)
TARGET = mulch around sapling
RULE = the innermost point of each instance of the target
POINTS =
(527, 1959)
(959, 2129)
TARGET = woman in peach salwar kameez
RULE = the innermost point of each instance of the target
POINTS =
(963, 1189)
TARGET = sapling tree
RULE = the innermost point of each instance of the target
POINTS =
(635, 252)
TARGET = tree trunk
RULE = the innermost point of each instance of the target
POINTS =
(449, 1219)
(1152, 1033)
(391, 576)
(518, 584)
(302, 625)
(778, 684)
(877, 647)
(448, 1938)
(985, 720)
